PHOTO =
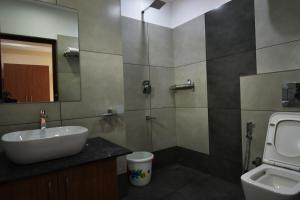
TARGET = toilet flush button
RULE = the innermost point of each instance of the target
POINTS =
(269, 143)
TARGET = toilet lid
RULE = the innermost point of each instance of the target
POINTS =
(282, 147)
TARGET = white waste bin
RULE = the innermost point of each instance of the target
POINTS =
(139, 167)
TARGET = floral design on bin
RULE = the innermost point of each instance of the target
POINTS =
(138, 173)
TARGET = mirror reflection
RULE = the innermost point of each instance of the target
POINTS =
(39, 53)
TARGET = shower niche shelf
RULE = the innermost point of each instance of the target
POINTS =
(187, 86)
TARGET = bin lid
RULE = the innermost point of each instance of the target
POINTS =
(139, 156)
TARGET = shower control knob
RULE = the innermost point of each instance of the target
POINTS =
(150, 118)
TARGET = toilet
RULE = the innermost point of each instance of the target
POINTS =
(278, 178)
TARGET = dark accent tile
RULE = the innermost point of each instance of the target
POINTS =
(183, 183)
(193, 159)
(217, 166)
(230, 29)
(211, 189)
(165, 157)
(223, 79)
(225, 169)
(225, 134)
(123, 185)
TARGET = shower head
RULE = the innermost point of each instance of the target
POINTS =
(157, 4)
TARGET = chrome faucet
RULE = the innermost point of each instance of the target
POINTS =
(43, 117)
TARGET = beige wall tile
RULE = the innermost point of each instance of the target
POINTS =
(48, 1)
(264, 91)
(260, 120)
(197, 74)
(135, 41)
(112, 130)
(163, 128)
(189, 42)
(192, 129)
(102, 86)
(138, 131)
(278, 58)
(134, 75)
(161, 80)
(160, 46)
(276, 22)
(121, 165)
(27, 113)
(69, 87)
(99, 24)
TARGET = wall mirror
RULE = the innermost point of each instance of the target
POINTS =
(39, 52)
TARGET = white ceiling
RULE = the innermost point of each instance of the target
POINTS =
(173, 14)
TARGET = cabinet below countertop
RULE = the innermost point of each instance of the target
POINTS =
(93, 181)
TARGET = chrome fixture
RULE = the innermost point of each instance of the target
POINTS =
(186, 86)
(147, 87)
(71, 52)
(43, 117)
(249, 132)
(148, 118)
(290, 95)
(157, 4)
(257, 162)
(109, 113)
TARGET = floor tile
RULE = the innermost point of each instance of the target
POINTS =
(176, 182)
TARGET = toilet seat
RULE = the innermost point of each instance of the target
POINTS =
(278, 178)
(282, 146)
(274, 179)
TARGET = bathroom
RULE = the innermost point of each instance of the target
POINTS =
(196, 83)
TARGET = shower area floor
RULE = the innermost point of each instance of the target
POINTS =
(177, 182)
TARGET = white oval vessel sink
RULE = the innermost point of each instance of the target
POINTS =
(24, 147)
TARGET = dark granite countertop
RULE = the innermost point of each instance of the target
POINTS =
(95, 150)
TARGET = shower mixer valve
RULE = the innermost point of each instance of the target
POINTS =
(147, 87)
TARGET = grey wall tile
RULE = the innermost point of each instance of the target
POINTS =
(112, 130)
(278, 58)
(197, 74)
(192, 129)
(230, 29)
(160, 46)
(134, 75)
(121, 165)
(69, 88)
(260, 120)
(223, 79)
(225, 134)
(21, 127)
(276, 22)
(163, 128)
(161, 80)
(48, 1)
(135, 41)
(99, 24)
(264, 91)
(102, 86)
(138, 131)
(67, 64)
(189, 42)
(27, 113)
